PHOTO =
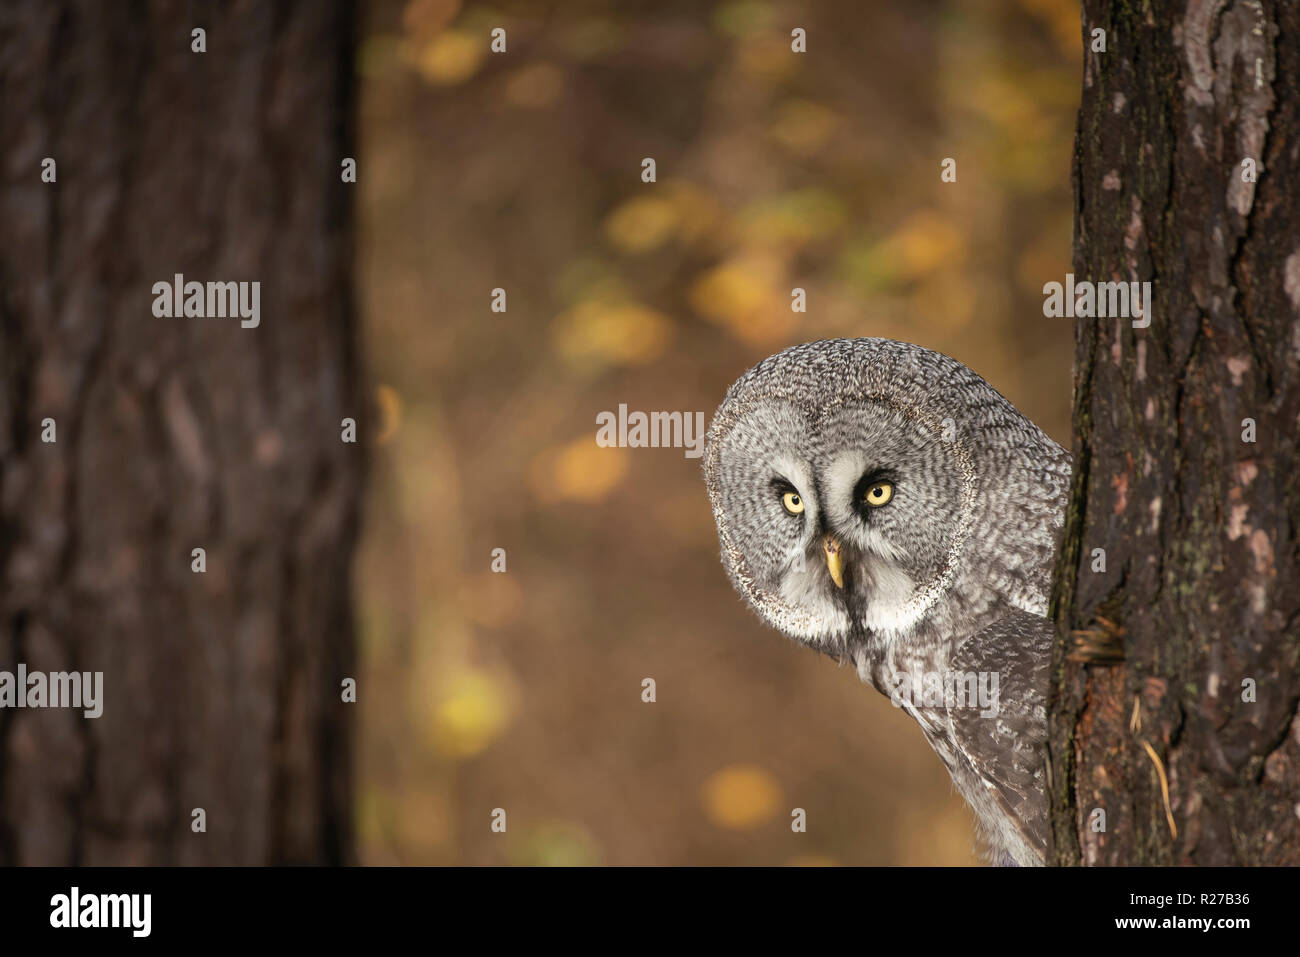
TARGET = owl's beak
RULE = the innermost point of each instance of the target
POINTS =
(834, 560)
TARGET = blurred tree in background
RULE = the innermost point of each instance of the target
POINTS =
(221, 690)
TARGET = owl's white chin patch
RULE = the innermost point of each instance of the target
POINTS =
(813, 612)
(892, 606)
(816, 635)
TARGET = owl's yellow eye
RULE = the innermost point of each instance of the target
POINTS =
(880, 494)
(792, 502)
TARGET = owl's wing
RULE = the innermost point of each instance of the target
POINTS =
(1007, 749)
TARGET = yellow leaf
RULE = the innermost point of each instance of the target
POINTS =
(741, 294)
(469, 713)
(732, 292)
(611, 333)
(642, 224)
(451, 57)
(740, 797)
(389, 404)
(924, 243)
(581, 471)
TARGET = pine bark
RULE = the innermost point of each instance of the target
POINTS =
(1200, 598)
(221, 689)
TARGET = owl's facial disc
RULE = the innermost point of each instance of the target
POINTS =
(838, 521)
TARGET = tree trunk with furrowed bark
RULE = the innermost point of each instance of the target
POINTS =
(221, 690)
(1174, 710)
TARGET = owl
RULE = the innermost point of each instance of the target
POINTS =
(883, 504)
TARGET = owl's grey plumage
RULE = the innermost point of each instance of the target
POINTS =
(885, 505)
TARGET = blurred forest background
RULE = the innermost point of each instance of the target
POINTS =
(522, 171)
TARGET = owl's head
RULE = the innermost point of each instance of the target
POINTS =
(847, 479)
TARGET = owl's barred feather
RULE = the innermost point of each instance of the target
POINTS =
(944, 505)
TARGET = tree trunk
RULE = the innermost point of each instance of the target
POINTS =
(1177, 666)
(221, 689)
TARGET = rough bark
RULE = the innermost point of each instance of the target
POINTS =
(221, 690)
(1201, 590)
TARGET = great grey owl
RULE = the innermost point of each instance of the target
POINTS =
(885, 505)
